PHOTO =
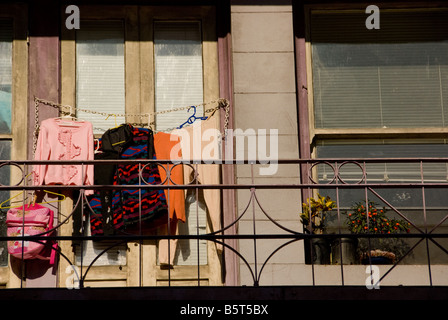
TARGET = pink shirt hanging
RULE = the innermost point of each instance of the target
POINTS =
(61, 139)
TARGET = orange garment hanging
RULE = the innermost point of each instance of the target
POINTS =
(174, 197)
(163, 144)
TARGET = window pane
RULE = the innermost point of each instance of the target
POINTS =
(6, 35)
(100, 72)
(425, 209)
(187, 249)
(92, 250)
(388, 172)
(100, 86)
(179, 83)
(178, 71)
(392, 77)
(5, 154)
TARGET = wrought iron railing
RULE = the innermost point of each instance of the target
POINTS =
(412, 191)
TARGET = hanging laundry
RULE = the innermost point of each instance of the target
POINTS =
(125, 208)
(144, 204)
(167, 147)
(61, 139)
(102, 219)
(164, 144)
(201, 141)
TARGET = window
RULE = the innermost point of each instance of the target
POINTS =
(100, 72)
(178, 74)
(140, 61)
(100, 87)
(178, 70)
(408, 201)
(13, 108)
(394, 77)
(381, 94)
(396, 172)
(6, 36)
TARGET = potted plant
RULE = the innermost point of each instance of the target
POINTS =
(314, 213)
(313, 218)
(369, 219)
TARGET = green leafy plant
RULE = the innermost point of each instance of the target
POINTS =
(314, 212)
(369, 219)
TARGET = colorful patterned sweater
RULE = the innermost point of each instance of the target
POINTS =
(122, 209)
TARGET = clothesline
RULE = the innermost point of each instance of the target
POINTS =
(222, 103)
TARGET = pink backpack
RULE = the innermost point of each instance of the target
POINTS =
(33, 221)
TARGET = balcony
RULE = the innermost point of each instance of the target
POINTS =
(409, 190)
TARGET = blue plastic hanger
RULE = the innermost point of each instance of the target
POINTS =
(192, 118)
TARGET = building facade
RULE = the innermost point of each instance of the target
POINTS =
(345, 100)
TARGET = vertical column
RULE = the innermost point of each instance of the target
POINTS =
(265, 98)
(43, 82)
(44, 76)
(228, 171)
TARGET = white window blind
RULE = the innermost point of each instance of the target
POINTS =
(178, 71)
(6, 36)
(100, 72)
(396, 76)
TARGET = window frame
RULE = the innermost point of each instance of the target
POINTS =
(18, 13)
(140, 99)
(68, 53)
(358, 133)
(309, 134)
